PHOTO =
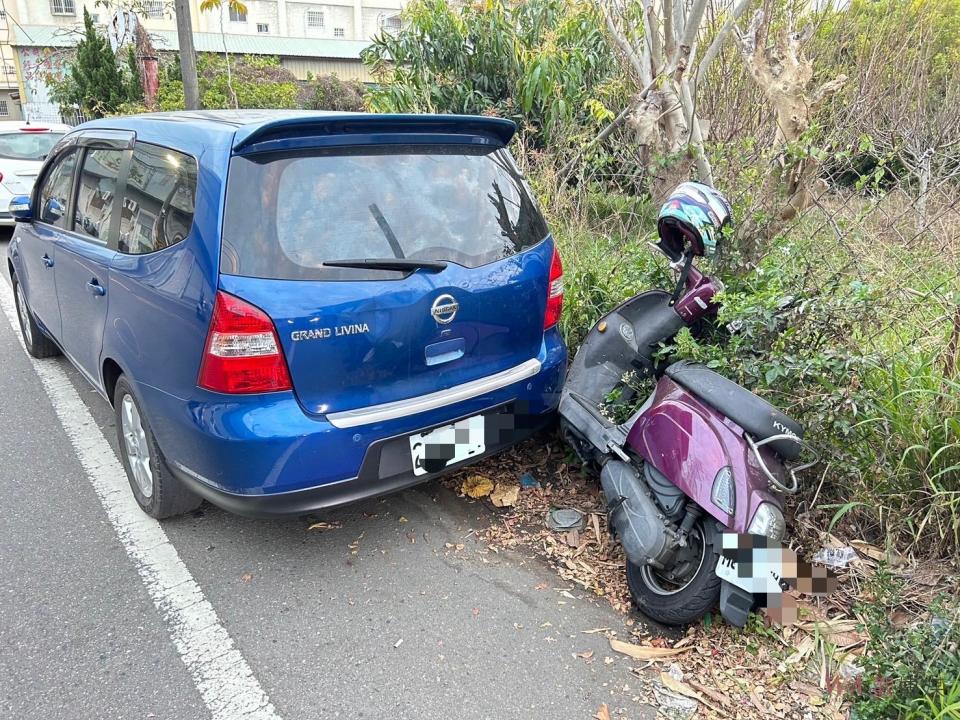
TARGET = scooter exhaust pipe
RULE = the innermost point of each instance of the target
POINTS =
(647, 536)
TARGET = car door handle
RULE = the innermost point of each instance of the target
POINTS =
(47, 260)
(96, 288)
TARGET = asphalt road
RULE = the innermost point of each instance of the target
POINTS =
(374, 619)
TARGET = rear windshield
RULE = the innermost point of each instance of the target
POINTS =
(286, 215)
(27, 145)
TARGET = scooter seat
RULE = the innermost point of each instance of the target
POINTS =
(754, 414)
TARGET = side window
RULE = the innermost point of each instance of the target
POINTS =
(55, 192)
(158, 202)
(97, 190)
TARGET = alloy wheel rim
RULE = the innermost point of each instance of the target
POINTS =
(654, 579)
(136, 447)
(24, 316)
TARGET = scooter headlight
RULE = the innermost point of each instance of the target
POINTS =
(724, 492)
(768, 520)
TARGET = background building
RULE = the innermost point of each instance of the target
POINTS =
(318, 37)
(9, 84)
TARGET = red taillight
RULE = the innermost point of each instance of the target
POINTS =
(34, 128)
(243, 352)
(554, 292)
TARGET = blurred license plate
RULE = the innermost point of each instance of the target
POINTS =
(433, 450)
(761, 569)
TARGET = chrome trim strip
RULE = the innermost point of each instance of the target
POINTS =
(434, 400)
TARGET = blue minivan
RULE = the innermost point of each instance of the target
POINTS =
(292, 310)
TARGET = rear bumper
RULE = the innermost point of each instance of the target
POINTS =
(386, 469)
(264, 456)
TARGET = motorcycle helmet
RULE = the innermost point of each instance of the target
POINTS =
(696, 214)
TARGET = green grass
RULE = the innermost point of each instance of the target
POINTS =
(846, 333)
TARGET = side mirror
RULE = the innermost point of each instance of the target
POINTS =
(52, 211)
(21, 209)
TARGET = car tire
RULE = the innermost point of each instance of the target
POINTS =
(686, 604)
(158, 492)
(38, 344)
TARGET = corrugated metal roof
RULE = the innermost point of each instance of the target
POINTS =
(53, 36)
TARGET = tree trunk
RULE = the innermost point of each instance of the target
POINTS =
(188, 57)
(783, 73)
(226, 56)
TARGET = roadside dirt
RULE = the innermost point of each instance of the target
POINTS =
(801, 671)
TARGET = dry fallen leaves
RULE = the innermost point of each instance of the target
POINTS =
(477, 486)
(322, 526)
(644, 652)
(780, 672)
(505, 495)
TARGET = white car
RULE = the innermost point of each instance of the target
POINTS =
(23, 147)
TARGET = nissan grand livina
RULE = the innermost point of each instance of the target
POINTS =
(293, 310)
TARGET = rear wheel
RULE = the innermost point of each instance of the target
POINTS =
(158, 492)
(683, 593)
(36, 341)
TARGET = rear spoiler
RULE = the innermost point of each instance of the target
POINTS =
(369, 129)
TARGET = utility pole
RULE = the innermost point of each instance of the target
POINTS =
(188, 57)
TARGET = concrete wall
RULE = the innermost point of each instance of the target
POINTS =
(343, 69)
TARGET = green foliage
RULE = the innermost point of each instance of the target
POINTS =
(544, 63)
(911, 672)
(329, 92)
(134, 87)
(94, 82)
(259, 82)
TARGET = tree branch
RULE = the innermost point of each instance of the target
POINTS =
(711, 54)
(625, 46)
(692, 25)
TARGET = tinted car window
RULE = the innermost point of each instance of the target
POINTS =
(286, 215)
(27, 145)
(55, 192)
(157, 209)
(96, 193)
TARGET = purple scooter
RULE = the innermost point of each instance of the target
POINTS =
(701, 456)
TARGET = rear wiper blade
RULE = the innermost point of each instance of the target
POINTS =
(402, 264)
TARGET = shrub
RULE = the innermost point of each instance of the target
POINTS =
(94, 82)
(328, 92)
(544, 63)
(259, 81)
(911, 672)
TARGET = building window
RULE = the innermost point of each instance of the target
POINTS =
(4, 110)
(154, 8)
(236, 15)
(338, 32)
(315, 19)
(63, 7)
(263, 28)
(391, 22)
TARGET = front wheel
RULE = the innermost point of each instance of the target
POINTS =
(686, 591)
(34, 339)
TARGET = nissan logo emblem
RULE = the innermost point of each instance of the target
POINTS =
(444, 309)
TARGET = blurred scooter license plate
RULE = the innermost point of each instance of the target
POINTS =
(433, 450)
(761, 570)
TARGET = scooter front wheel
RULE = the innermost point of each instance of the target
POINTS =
(680, 594)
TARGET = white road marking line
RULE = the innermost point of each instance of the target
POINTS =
(221, 674)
